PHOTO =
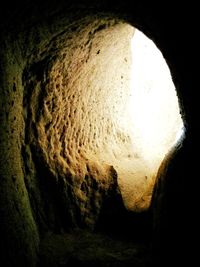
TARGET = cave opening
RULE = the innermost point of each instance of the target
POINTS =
(101, 114)
(93, 114)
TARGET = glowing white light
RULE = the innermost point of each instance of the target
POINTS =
(153, 100)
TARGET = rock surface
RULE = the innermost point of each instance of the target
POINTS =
(42, 190)
(86, 249)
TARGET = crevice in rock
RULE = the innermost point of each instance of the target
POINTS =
(67, 145)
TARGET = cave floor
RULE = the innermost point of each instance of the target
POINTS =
(83, 248)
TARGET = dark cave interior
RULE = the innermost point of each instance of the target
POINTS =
(60, 203)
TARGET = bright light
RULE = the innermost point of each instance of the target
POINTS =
(154, 122)
(110, 105)
(153, 102)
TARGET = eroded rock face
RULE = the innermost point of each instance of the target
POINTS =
(75, 109)
(40, 70)
(79, 123)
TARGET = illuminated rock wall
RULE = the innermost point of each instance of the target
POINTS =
(55, 175)
(81, 120)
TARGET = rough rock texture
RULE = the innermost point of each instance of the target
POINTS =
(76, 107)
(16, 218)
(35, 193)
(69, 110)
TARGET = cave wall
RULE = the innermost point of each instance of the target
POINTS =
(65, 124)
(26, 31)
(17, 222)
